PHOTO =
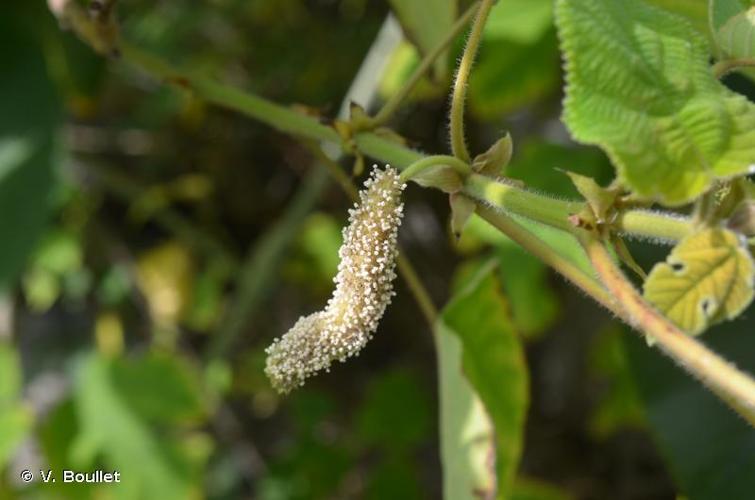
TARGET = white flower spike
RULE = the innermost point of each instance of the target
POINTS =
(364, 288)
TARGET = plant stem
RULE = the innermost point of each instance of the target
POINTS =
(721, 68)
(516, 200)
(730, 384)
(456, 121)
(553, 212)
(395, 101)
(507, 197)
(417, 289)
(258, 272)
(544, 252)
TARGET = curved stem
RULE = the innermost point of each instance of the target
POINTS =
(733, 386)
(456, 122)
(721, 68)
(430, 161)
(395, 101)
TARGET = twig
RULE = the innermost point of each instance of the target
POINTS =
(733, 386)
(722, 68)
(456, 121)
(395, 101)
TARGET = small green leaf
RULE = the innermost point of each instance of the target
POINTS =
(492, 359)
(462, 209)
(708, 277)
(493, 161)
(426, 23)
(601, 200)
(640, 86)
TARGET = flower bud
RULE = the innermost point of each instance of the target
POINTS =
(364, 288)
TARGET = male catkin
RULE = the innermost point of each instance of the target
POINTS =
(364, 288)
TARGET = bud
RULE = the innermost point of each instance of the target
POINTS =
(364, 288)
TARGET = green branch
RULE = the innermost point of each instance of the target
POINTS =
(392, 105)
(456, 122)
(733, 386)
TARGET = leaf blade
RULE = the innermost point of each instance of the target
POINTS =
(708, 277)
(639, 86)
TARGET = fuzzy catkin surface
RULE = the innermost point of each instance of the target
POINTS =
(364, 288)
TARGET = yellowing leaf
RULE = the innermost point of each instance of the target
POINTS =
(708, 277)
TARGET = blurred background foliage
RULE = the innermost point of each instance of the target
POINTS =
(134, 315)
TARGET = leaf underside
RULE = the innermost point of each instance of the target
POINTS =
(639, 85)
(707, 278)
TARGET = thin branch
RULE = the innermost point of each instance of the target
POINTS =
(259, 269)
(722, 68)
(550, 256)
(733, 386)
(456, 119)
(511, 198)
(391, 105)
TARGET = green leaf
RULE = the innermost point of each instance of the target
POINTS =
(639, 85)
(493, 161)
(695, 11)
(520, 21)
(111, 425)
(708, 277)
(492, 360)
(29, 119)
(601, 200)
(618, 404)
(511, 75)
(426, 24)
(733, 25)
(158, 388)
(396, 413)
(525, 280)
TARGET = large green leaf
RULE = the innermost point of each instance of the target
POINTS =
(707, 277)
(112, 425)
(495, 388)
(30, 116)
(426, 23)
(639, 85)
(696, 11)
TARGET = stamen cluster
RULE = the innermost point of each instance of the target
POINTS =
(364, 288)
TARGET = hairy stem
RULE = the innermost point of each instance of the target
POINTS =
(391, 105)
(456, 121)
(722, 68)
(733, 386)
(544, 252)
